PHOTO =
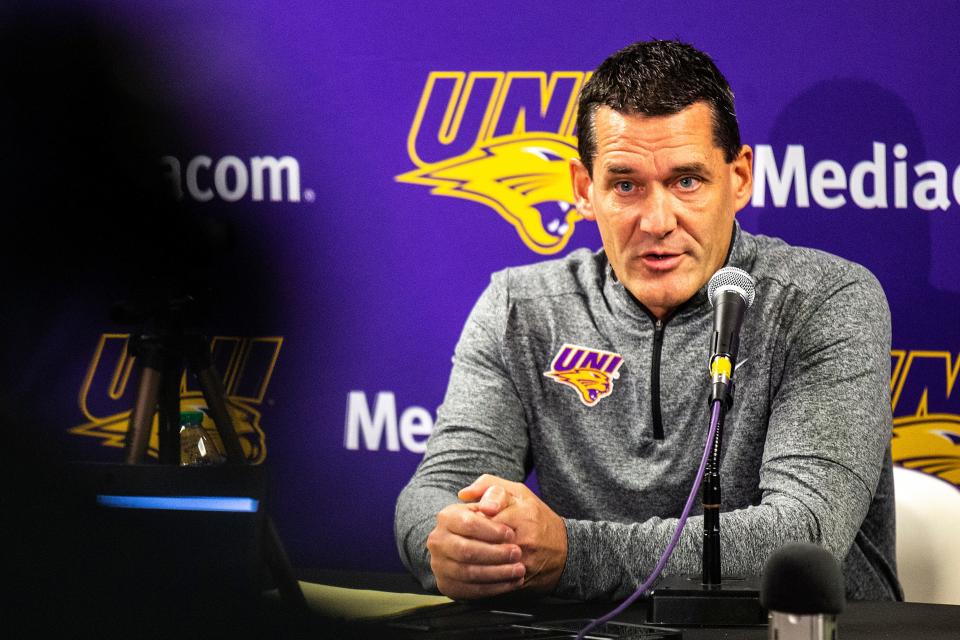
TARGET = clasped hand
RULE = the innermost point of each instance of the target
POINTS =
(502, 537)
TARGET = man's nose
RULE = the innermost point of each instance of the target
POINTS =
(657, 217)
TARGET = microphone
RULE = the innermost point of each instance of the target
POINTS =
(803, 589)
(731, 292)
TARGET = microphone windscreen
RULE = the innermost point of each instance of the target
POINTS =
(731, 278)
(804, 579)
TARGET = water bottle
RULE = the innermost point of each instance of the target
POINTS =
(197, 447)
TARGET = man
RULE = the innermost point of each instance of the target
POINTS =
(592, 370)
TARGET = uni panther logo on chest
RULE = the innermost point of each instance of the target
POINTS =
(590, 372)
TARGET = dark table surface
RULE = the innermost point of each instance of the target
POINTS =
(860, 620)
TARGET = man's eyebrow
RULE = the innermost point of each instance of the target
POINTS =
(691, 167)
(698, 168)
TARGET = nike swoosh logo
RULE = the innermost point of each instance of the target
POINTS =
(737, 366)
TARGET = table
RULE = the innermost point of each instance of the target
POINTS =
(860, 621)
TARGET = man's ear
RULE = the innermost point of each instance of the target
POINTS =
(743, 177)
(582, 189)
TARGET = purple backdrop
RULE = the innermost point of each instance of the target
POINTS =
(347, 287)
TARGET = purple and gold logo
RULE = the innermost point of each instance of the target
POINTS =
(108, 391)
(503, 139)
(926, 412)
(589, 371)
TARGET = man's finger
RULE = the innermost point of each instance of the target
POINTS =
(469, 551)
(472, 591)
(464, 521)
(481, 573)
(494, 500)
(479, 487)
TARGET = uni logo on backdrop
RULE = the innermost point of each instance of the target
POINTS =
(503, 139)
(246, 364)
(926, 412)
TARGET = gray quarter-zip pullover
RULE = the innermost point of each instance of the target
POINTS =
(560, 369)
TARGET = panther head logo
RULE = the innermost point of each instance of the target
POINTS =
(929, 443)
(524, 177)
(592, 385)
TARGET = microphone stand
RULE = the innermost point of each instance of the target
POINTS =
(710, 599)
(721, 393)
(710, 493)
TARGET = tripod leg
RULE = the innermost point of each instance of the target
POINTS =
(279, 565)
(168, 427)
(141, 418)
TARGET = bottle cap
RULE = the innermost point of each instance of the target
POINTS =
(191, 417)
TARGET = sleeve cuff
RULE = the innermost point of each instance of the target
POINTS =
(571, 584)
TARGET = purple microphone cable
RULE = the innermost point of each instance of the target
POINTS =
(642, 589)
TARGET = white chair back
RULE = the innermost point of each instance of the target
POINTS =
(928, 537)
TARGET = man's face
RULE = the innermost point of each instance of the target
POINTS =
(664, 200)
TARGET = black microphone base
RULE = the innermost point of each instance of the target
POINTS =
(684, 601)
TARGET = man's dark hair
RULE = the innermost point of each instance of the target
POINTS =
(658, 78)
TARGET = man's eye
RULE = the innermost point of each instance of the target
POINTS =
(688, 183)
(623, 186)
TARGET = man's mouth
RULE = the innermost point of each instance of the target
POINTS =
(661, 260)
